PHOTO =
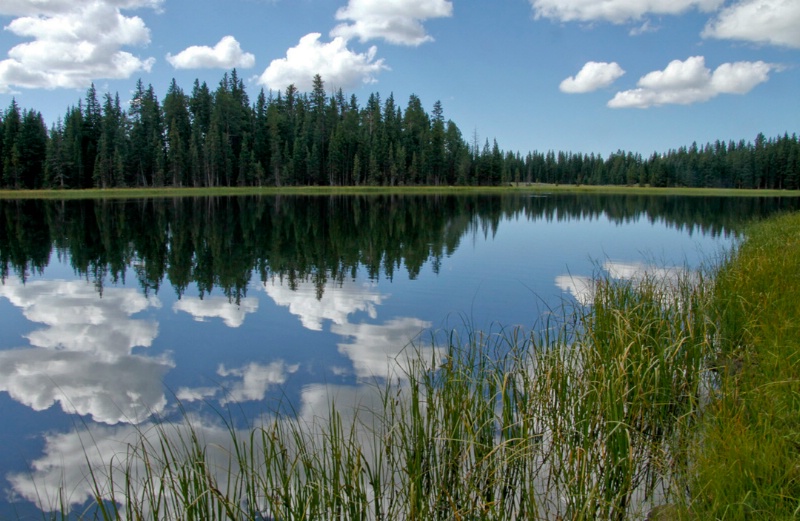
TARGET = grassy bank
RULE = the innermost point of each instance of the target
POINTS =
(667, 398)
(122, 193)
(746, 458)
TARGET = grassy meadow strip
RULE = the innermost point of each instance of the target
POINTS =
(168, 192)
(745, 460)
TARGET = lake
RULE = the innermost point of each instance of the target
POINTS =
(117, 314)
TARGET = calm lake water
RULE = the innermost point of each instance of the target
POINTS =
(116, 314)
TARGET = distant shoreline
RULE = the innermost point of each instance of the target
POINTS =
(519, 188)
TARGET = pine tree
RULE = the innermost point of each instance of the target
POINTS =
(73, 138)
(56, 158)
(261, 135)
(12, 121)
(92, 129)
(111, 145)
(179, 134)
(147, 150)
(437, 146)
(416, 129)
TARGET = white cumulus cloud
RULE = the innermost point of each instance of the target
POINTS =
(73, 43)
(593, 76)
(615, 11)
(775, 22)
(690, 81)
(226, 54)
(338, 65)
(395, 21)
(53, 7)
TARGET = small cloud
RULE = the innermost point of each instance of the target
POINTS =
(774, 22)
(398, 22)
(690, 81)
(616, 11)
(593, 76)
(195, 394)
(338, 65)
(227, 54)
(56, 7)
(646, 27)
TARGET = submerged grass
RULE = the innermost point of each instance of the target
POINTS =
(665, 399)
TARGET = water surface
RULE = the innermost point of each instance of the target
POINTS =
(118, 314)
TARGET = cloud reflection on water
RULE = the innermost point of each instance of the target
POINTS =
(84, 358)
(335, 304)
(248, 383)
(67, 456)
(231, 313)
(582, 288)
(375, 350)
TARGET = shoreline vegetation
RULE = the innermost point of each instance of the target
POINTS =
(669, 397)
(512, 188)
(747, 443)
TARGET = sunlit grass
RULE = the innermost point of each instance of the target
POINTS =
(746, 458)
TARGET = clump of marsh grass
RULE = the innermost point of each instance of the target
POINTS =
(581, 421)
(640, 369)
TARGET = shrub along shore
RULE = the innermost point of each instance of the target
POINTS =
(669, 397)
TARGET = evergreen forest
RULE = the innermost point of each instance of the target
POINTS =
(213, 138)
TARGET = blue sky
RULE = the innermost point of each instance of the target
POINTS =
(573, 75)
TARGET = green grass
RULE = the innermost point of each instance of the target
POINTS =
(122, 193)
(746, 458)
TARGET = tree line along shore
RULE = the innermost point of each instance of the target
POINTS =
(219, 138)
